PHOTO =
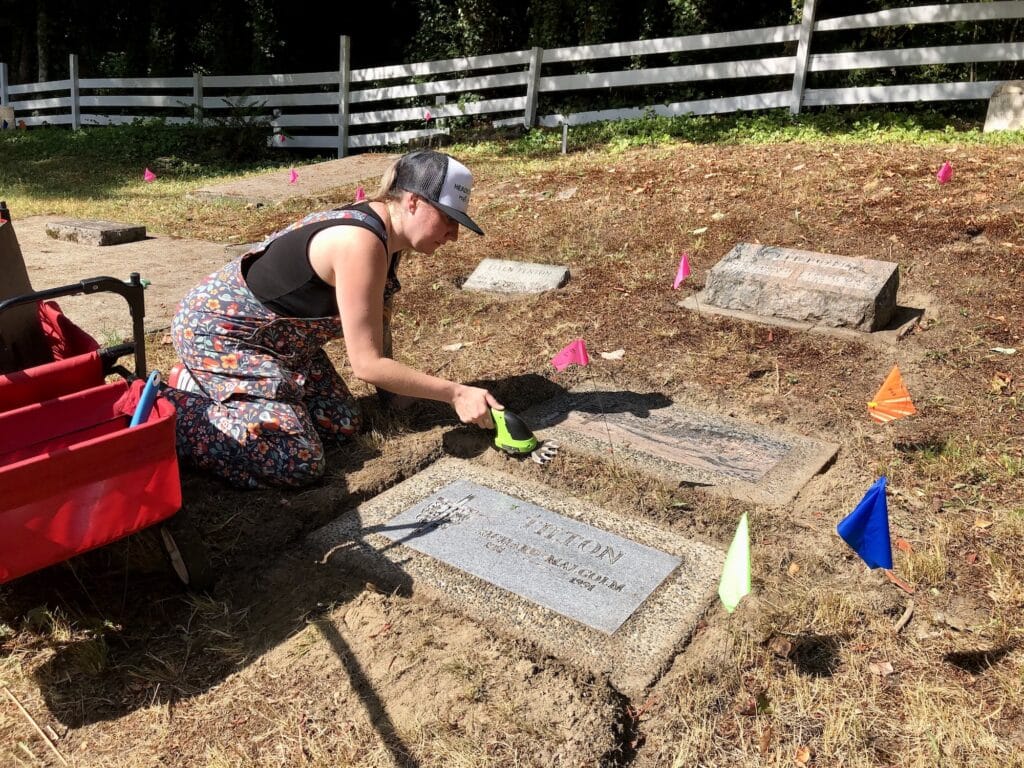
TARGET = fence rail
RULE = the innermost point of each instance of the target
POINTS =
(395, 104)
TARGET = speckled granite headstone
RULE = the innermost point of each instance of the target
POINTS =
(92, 232)
(1006, 107)
(614, 595)
(835, 291)
(503, 276)
(682, 444)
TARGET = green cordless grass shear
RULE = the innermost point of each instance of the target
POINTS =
(513, 437)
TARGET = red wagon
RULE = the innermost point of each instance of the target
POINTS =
(73, 474)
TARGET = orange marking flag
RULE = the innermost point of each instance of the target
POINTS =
(892, 401)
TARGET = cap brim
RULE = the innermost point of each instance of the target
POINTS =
(460, 217)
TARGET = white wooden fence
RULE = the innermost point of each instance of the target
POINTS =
(357, 108)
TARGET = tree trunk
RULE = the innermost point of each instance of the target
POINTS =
(43, 40)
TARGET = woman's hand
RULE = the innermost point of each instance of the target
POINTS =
(473, 406)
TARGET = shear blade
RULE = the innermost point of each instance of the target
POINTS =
(544, 453)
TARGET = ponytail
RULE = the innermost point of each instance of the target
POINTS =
(386, 191)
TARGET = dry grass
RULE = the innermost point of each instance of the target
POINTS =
(283, 667)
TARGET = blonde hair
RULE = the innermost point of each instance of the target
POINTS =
(387, 191)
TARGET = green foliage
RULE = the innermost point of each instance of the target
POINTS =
(218, 144)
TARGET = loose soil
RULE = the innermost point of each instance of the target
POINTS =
(285, 664)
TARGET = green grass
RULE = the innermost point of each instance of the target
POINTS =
(869, 125)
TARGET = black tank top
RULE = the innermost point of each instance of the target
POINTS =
(283, 279)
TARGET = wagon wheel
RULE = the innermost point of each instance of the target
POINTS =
(187, 554)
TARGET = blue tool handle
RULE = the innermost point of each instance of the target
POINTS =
(146, 399)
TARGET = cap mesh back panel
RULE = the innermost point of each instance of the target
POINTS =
(423, 173)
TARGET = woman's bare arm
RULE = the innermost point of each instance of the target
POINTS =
(359, 266)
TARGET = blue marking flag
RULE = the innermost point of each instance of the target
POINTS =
(866, 529)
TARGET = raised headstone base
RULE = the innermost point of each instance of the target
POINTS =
(613, 595)
(902, 322)
(90, 232)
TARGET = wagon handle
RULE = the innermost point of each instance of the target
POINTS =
(131, 290)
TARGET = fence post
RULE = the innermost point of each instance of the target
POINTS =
(803, 51)
(3, 85)
(197, 97)
(344, 76)
(532, 86)
(439, 101)
(76, 117)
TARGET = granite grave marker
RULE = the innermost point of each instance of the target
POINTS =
(683, 445)
(612, 594)
(834, 291)
(504, 276)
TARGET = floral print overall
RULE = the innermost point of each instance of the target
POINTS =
(270, 394)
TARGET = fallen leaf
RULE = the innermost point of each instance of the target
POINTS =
(904, 546)
(765, 740)
(981, 522)
(781, 647)
(699, 231)
(883, 668)
(566, 194)
(908, 588)
(794, 569)
(717, 216)
(1001, 381)
(1005, 350)
(618, 354)
(802, 756)
(972, 558)
(755, 704)
(453, 347)
(799, 167)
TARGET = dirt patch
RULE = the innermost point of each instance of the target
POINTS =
(277, 667)
(309, 181)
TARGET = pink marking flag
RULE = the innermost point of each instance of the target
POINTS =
(683, 272)
(574, 354)
(148, 175)
(293, 176)
(945, 173)
(427, 116)
(281, 138)
(360, 194)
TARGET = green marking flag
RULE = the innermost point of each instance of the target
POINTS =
(735, 581)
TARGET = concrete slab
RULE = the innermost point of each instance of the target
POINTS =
(508, 548)
(95, 232)
(172, 265)
(316, 179)
(683, 444)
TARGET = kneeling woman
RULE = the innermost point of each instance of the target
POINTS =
(255, 392)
